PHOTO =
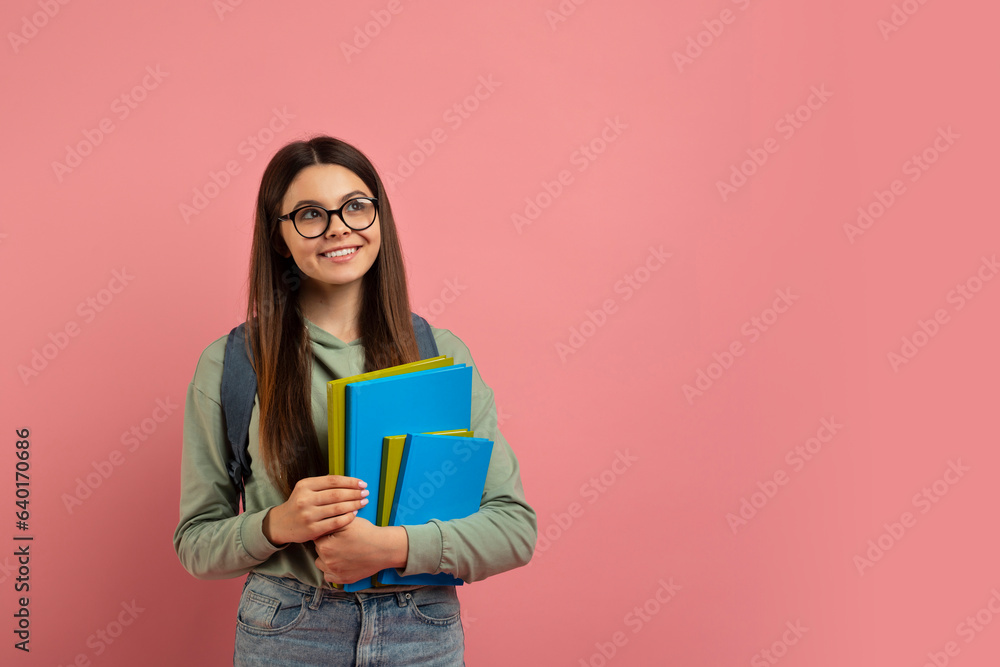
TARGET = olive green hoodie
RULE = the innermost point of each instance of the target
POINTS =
(214, 541)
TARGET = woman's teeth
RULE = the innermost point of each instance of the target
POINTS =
(340, 253)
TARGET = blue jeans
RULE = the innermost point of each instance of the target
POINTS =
(282, 621)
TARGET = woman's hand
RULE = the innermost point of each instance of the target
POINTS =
(360, 550)
(317, 506)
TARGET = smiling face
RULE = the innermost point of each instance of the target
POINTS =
(336, 261)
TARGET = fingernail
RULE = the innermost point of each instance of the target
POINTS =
(365, 493)
(355, 512)
(363, 485)
(364, 501)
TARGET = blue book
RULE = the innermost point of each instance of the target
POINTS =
(440, 477)
(434, 400)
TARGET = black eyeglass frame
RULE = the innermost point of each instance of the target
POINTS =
(329, 216)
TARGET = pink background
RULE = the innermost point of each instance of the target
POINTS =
(644, 565)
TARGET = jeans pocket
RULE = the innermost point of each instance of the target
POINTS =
(435, 605)
(267, 608)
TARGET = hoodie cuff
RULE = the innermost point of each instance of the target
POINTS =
(425, 549)
(252, 538)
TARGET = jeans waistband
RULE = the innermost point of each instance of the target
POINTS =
(333, 593)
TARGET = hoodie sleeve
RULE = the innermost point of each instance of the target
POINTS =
(213, 540)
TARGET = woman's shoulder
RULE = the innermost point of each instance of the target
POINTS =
(208, 372)
(450, 345)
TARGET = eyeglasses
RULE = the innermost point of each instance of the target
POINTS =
(313, 221)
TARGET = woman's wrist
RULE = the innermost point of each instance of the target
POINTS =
(268, 529)
(398, 547)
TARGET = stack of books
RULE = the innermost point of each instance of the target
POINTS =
(405, 430)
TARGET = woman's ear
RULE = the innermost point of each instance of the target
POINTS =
(279, 245)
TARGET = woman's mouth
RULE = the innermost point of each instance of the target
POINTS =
(345, 252)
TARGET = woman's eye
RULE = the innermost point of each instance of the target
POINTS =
(309, 214)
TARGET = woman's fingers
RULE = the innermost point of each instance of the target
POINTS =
(325, 482)
(335, 482)
(333, 524)
(317, 505)
(328, 503)
(319, 517)
(345, 509)
(335, 496)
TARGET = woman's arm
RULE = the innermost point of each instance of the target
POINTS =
(360, 550)
(213, 540)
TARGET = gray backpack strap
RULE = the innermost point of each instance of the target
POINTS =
(425, 338)
(239, 387)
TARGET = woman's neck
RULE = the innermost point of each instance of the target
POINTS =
(333, 308)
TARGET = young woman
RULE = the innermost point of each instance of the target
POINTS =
(328, 299)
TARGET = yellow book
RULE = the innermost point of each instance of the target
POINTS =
(336, 414)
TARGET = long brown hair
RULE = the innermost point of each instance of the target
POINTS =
(277, 337)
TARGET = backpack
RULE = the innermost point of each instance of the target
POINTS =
(239, 388)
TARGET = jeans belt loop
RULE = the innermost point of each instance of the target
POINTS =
(317, 599)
